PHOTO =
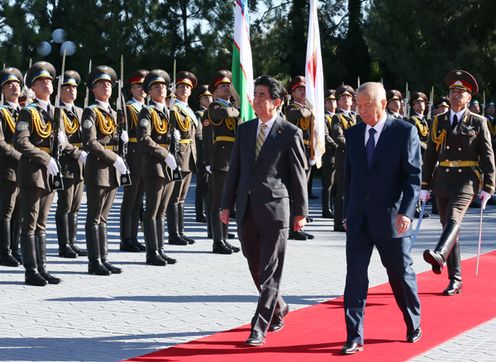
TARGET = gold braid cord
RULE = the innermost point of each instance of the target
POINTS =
(9, 120)
(304, 123)
(184, 125)
(159, 125)
(423, 129)
(42, 129)
(106, 124)
(437, 139)
(70, 127)
(492, 128)
(230, 123)
(134, 116)
(346, 124)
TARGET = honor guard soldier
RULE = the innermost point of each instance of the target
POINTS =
(441, 106)
(219, 133)
(418, 101)
(184, 125)
(475, 107)
(37, 138)
(344, 119)
(69, 199)
(132, 198)
(302, 117)
(204, 98)
(328, 159)
(154, 136)
(11, 81)
(394, 103)
(100, 136)
(460, 145)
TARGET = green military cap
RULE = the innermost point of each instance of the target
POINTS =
(460, 79)
(416, 97)
(204, 91)
(344, 90)
(393, 94)
(156, 76)
(71, 77)
(221, 76)
(10, 74)
(442, 102)
(137, 77)
(101, 72)
(329, 94)
(186, 77)
(39, 70)
(296, 82)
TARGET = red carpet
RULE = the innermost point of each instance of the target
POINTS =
(317, 333)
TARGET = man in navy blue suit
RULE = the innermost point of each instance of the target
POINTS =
(382, 186)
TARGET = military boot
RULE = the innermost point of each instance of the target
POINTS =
(65, 250)
(40, 238)
(218, 246)
(446, 242)
(152, 255)
(95, 266)
(73, 224)
(225, 236)
(15, 238)
(6, 257)
(173, 226)
(135, 217)
(28, 246)
(160, 241)
(127, 243)
(180, 223)
(454, 264)
(102, 236)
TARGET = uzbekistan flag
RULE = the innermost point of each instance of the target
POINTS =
(242, 68)
(314, 79)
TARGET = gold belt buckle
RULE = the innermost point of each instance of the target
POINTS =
(455, 163)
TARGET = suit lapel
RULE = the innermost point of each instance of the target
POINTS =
(269, 140)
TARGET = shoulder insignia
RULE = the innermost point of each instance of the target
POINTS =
(22, 126)
(87, 124)
(144, 122)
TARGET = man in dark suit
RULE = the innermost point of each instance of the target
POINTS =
(267, 172)
(382, 173)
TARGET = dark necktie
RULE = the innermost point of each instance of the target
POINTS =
(455, 122)
(370, 146)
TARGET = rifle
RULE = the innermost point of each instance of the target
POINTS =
(407, 101)
(431, 103)
(122, 122)
(57, 182)
(174, 149)
(87, 96)
(484, 103)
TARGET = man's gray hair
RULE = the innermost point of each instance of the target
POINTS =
(375, 90)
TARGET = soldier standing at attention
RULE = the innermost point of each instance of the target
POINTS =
(460, 145)
(132, 198)
(184, 124)
(418, 102)
(11, 81)
(35, 138)
(154, 137)
(328, 160)
(69, 199)
(394, 102)
(341, 121)
(219, 134)
(100, 136)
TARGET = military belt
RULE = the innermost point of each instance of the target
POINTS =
(112, 148)
(225, 139)
(133, 140)
(458, 163)
(186, 141)
(45, 149)
(164, 145)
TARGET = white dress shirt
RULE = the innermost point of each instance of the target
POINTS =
(269, 124)
(378, 128)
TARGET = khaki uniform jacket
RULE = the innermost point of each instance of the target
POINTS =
(9, 156)
(469, 141)
(183, 122)
(100, 138)
(302, 117)
(330, 145)
(154, 137)
(134, 155)
(71, 166)
(340, 123)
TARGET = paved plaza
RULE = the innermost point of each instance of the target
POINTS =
(146, 308)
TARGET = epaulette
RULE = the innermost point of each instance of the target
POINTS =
(31, 105)
(480, 117)
(91, 106)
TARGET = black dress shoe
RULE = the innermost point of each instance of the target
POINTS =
(255, 339)
(177, 240)
(435, 260)
(277, 322)
(201, 218)
(17, 256)
(189, 240)
(297, 235)
(97, 268)
(32, 277)
(327, 214)
(339, 228)
(155, 258)
(235, 249)
(351, 348)
(65, 251)
(231, 236)
(168, 259)
(49, 277)
(7, 259)
(308, 235)
(454, 287)
(414, 336)
(111, 268)
(221, 248)
(127, 245)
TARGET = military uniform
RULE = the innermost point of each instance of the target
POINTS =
(460, 146)
(220, 125)
(341, 121)
(184, 124)
(328, 161)
(154, 137)
(100, 137)
(393, 95)
(132, 198)
(9, 158)
(419, 121)
(36, 139)
(69, 199)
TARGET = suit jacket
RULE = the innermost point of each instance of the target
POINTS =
(270, 181)
(390, 187)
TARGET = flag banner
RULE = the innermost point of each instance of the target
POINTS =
(314, 79)
(242, 68)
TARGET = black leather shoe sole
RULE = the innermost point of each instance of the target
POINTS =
(414, 336)
(431, 259)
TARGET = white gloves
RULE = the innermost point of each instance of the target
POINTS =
(425, 195)
(52, 167)
(124, 137)
(312, 162)
(171, 161)
(484, 197)
(120, 165)
(208, 169)
(83, 156)
(177, 135)
(62, 138)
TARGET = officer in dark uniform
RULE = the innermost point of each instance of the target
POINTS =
(154, 137)
(100, 136)
(328, 159)
(132, 198)
(394, 103)
(219, 133)
(11, 82)
(205, 98)
(69, 199)
(341, 121)
(184, 124)
(36, 136)
(460, 145)
(302, 117)
(418, 101)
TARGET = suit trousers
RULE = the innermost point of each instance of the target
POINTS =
(69, 199)
(395, 256)
(99, 202)
(339, 197)
(264, 248)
